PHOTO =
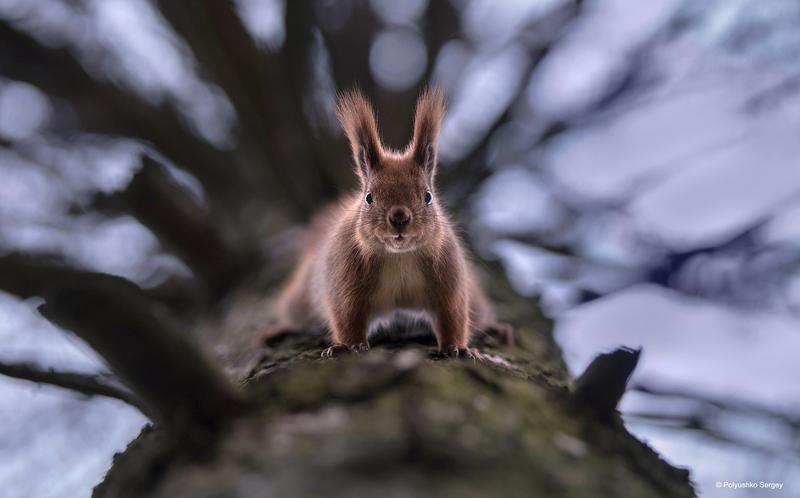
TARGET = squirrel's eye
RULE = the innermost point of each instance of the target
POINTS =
(428, 197)
(368, 198)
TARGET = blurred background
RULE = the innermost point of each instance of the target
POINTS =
(635, 166)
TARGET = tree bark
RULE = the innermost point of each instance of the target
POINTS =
(397, 421)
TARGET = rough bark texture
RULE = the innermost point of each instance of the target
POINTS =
(399, 422)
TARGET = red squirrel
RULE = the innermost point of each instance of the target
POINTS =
(388, 247)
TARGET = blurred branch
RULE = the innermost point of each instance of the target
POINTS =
(349, 48)
(26, 275)
(542, 242)
(90, 385)
(395, 108)
(296, 57)
(705, 418)
(442, 24)
(539, 37)
(105, 108)
(698, 423)
(254, 82)
(773, 94)
(710, 404)
(542, 33)
(464, 177)
(181, 223)
(146, 349)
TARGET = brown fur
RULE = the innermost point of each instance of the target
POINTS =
(357, 265)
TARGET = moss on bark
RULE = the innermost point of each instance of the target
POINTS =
(399, 422)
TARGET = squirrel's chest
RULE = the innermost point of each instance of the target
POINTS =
(401, 283)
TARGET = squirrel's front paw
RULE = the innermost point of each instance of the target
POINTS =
(338, 349)
(457, 352)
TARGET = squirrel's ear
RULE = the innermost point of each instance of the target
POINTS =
(427, 124)
(358, 120)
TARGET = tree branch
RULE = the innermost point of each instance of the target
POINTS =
(90, 385)
(105, 108)
(183, 225)
(325, 150)
(147, 350)
(716, 404)
(349, 48)
(539, 37)
(254, 82)
(175, 381)
(27, 275)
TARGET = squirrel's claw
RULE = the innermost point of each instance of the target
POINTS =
(456, 352)
(338, 349)
(334, 350)
(360, 348)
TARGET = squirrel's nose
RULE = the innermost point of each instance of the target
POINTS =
(399, 217)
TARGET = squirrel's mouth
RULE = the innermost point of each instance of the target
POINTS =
(400, 242)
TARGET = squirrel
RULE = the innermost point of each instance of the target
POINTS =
(388, 247)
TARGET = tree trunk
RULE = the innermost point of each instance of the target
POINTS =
(398, 422)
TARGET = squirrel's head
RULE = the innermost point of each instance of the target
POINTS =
(399, 209)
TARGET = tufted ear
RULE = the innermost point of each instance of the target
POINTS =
(358, 120)
(427, 124)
